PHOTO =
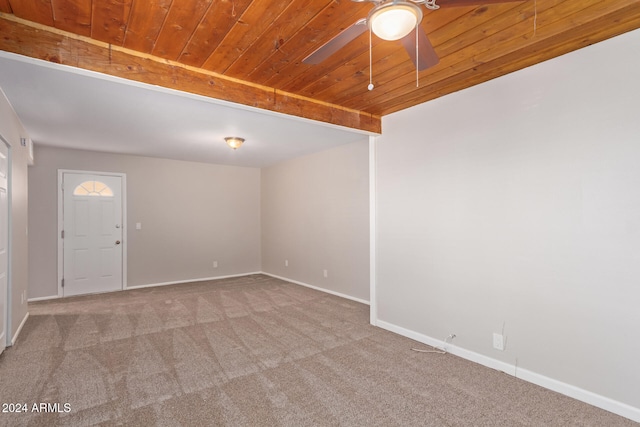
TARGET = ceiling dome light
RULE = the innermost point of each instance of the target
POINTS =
(394, 20)
(234, 141)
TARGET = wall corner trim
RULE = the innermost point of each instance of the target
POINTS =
(574, 392)
(373, 298)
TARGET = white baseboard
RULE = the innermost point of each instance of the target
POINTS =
(338, 294)
(577, 393)
(178, 282)
(15, 336)
(450, 348)
(204, 279)
(151, 285)
(43, 298)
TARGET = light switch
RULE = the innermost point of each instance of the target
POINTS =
(138, 226)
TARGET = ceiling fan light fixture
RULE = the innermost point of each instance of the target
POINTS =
(234, 141)
(394, 20)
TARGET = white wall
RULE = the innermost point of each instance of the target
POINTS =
(315, 214)
(191, 214)
(515, 206)
(312, 210)
(12, 130)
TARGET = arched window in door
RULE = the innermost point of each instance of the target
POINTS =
(93, 188)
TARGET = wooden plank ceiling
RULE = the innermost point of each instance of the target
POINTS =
(251, 51)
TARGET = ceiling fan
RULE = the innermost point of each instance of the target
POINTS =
(395, 20)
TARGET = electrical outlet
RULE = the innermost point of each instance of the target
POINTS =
(286, 263)
(215, 264)
(325, 273)
(498, 341)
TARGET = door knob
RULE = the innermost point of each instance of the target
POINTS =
(117, 242)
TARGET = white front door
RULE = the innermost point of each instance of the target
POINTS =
(92, 233)
(4, 242)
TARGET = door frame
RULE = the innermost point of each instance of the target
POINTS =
(8, 295)
(123, 176)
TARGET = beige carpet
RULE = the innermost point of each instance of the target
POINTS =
(252, 351)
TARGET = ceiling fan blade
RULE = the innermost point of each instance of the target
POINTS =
(427, 56)
(453, 3)
(336, 43)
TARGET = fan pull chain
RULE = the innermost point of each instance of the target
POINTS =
(417, 58)
(370, 87)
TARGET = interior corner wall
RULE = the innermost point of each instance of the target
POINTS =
(191, 215)
(315, 216)
(513, 207)
(12, 130)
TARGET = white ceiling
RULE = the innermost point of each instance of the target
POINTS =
(67, 107)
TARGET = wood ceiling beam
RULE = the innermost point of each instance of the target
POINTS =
(46, 43)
